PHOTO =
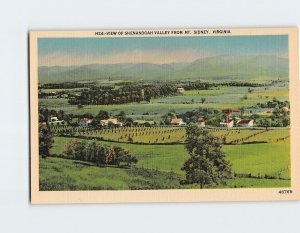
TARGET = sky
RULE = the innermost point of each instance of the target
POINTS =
(156, 50)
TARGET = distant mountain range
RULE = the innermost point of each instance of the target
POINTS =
(218, 68)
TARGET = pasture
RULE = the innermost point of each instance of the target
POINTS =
(220, 98)
(228, 95)
(263, 159)
(63, 174)
(259, 157)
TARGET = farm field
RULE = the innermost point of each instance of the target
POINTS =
(224, 97)
(63, 174)
(175, 134)
(271, 159)
(227, 95)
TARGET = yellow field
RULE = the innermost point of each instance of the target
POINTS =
(139, 134)
(175, 134)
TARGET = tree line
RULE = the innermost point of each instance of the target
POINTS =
(64, 85)
(101, 155)
(105, 95)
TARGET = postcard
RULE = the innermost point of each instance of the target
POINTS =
(164, 115)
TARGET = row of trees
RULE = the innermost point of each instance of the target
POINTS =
(104, 95)
(83, 150)
(198, 85)
(274, 103)
(64, 85)
(101, 155)
(280, 115)
(243, 84)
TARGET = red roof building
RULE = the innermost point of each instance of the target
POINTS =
(177, 121)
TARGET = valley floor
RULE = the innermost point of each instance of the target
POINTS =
(159, 167)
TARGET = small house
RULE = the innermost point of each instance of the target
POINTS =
(180, 90)
(110, 121)
(245, 123)
(228, 123)
(285, 109)
(53, 120)
(84, 122)
(177, 121)
(201, 122)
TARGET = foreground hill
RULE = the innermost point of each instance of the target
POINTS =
(244, 68)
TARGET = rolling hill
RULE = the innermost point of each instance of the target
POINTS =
(218, 68)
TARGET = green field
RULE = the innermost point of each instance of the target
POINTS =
(228, 97)
(64, 174)
(251, 158)
(259, 157)
(224, 97)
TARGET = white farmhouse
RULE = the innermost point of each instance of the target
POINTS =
(245, 123)
(227, 123)
(113, 121)
(177, 121)
(53, 120)
(180, 90)
(84, 122)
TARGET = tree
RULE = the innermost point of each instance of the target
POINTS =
(203, 100)
(103, 115)
(207, 164)
(121, 116)
(266, 123)
(168, 117)
(128, 121)
(70, 148)
(45, 141)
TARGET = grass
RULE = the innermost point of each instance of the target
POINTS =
(63, 174)
(203, 92)
(260, 159)
(270, 159)
(55, 104)
(162, 157)
(224, 97)
(256, 183)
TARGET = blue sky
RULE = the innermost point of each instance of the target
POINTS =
(80, 51)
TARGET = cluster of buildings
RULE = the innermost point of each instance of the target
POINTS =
(180, 122)
(233, 118)
(53, 120)
(84, 122)
(237, 114)
(229, 123)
